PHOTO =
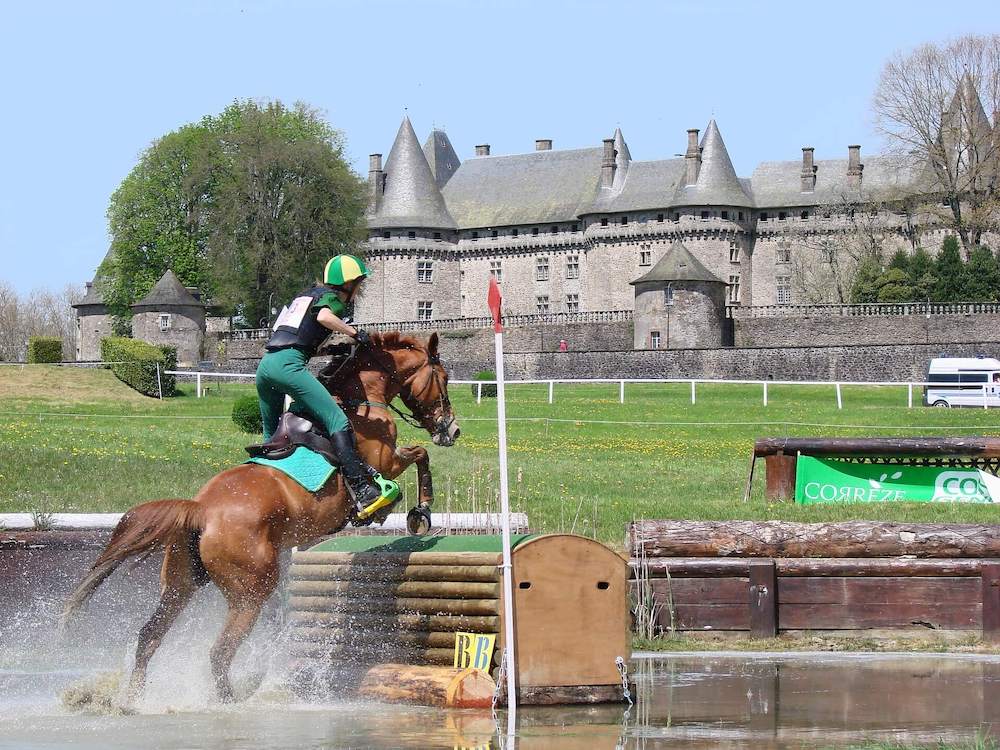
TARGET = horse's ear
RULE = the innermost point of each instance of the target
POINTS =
(432, 344)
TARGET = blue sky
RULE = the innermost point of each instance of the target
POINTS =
(88, 85)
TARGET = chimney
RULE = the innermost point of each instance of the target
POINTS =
(692, 159)
(808, 170)
(88, 285)
(608, 163)
(543, 144)
(483, 149)
(854, 167)
(375, 180)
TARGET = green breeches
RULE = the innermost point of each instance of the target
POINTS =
(284, 373)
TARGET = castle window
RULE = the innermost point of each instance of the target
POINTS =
(784, 284)
(475, 236)
(725, 214)
(734, 289)
(763, 215)
(542, 269)
(572, 266)
(782, 216)
(654, 339)
(542, 303)
(496, 271)
(437, 236)
(604, 221)
(704, 214)
(624, 220)
(645, 257)
(784, 254)
(668, 294)
(534, 231)
(514, 233)
(734, 252)
(494, 234)
(659, 217)
(804, 215)
(425, 310)
(164, 322)
(576, 227)
(411, 235)
(425, 271)
(572, 303)
(826, 214)
(386, 235)
(677, 216)
(741, 216)
(555, 230)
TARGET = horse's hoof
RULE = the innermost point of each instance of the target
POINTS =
(418, 521)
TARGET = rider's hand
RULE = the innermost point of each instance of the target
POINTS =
(361, 337)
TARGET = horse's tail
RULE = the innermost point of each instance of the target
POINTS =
(141, 530)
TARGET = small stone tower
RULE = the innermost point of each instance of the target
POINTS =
(679, 304)
(93, 323)
(171, 315)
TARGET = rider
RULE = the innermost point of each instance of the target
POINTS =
(299, 330)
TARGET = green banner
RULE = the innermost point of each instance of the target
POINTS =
(827, 480)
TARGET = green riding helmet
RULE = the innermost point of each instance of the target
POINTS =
(343, 268)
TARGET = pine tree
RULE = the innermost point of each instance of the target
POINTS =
(982, 276)
(901, 261)
(894, 286)
(865, 286)
(921, 273)
(950, 272)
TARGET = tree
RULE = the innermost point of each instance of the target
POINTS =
(865, 284)
(900, 261)
(931, 105)
(41, 313)
(894, 286)
(246, 205)
(922, 277)
(982, 276)
(950, 273)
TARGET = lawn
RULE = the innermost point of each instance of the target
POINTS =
(78, 440)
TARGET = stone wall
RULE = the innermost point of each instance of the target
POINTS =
(185, 331)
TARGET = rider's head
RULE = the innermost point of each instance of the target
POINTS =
(345, 272)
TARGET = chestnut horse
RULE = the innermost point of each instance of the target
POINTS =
(231, 533)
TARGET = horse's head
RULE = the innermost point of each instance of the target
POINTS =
(422, 382)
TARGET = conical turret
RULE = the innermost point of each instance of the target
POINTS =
(411, 197)
(717, 183)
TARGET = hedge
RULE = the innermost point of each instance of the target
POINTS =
(246, 414)
(44, 349)
(135, 362)
(490, 390)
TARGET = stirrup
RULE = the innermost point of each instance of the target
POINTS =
(389, 494)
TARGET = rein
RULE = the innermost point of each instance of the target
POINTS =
(410, 419)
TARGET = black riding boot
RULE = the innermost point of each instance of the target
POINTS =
(357, 473)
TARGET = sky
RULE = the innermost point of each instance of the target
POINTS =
(89, 85)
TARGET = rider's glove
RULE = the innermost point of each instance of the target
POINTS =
(361, 337)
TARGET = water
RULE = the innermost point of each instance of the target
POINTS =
(684, 700)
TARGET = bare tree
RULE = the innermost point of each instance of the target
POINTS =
(11, 344)
(42, 313)
(931, 105)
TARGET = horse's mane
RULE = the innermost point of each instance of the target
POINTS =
(397, 340)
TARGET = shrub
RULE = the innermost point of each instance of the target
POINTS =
(135, 362)
(44, 349)
(489, 391)
(246, 414)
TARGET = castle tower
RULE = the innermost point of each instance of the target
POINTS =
(679, 304)
(93, 323)
(171, 315)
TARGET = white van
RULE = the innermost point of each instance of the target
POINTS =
(962, 382)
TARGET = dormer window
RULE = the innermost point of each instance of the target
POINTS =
(386, 235)
(411, 235)
(475, 236)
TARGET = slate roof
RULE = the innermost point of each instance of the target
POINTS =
(92, 297)
(647, 185)
(717, 183)
(534, 188)
(411, 197)
(441, 157)
(678, 264)
(168, 291)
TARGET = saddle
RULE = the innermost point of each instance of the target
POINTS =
(292, 432)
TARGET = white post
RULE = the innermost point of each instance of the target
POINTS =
(909, 395)
(479, 393)
(508, 571)
(550, 390)
(621, 392)
(986, 400)
(765, 393)
(197, 382)
(159, 383)
(840, 402)
(692, 392)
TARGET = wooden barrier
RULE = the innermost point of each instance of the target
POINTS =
(762, 577)
(359, 604)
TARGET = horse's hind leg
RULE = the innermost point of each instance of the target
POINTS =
(179, 579)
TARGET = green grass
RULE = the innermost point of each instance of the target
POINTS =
(85, 442)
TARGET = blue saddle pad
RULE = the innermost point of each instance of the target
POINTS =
(305, 466)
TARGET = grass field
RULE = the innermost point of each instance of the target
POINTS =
(78, 440)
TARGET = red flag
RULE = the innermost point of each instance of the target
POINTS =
(494, 299)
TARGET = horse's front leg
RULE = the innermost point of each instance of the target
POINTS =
(404, 457)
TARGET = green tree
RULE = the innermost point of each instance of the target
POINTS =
(900, 260)
(982, 276)
(865, 285)
(949, 271)
(894, 286)
(921, 273)
(244, 205)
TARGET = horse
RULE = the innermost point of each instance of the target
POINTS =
(232, 531)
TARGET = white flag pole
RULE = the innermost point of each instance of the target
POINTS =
(508, 571)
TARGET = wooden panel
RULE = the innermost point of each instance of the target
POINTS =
(415, 589)
(701, 590)
(860, 616)
(891, 590)
(710, 567)
(762, 599)
(395, 572)
(414, 606)
(779, 476)
(707, 616)
(990, 597)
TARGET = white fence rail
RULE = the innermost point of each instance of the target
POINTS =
(987, 389)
